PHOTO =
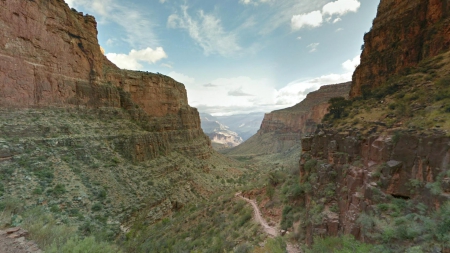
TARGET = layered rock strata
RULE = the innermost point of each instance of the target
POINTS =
(403, 34)
(304, 116)
(50, 57)
(354, 173)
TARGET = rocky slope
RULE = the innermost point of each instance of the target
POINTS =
(51, 57)
(85, 140)
(381, 172)
(281, 130)
(403, 34)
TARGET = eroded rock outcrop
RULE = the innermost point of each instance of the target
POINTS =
(403, 34)
(350, 174)
(353, 178)
(50, 57)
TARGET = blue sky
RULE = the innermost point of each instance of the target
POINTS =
(236, 56)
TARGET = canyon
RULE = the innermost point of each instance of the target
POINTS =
(356, 170)
(282, 130)
(87, 138)
(121, 154)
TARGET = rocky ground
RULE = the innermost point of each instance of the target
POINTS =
(13, 240)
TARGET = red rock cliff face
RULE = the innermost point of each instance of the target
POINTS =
(403, 33)
(303, 117)
(354, 174)
(50, 56)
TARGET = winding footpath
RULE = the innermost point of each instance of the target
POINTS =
(271, 231)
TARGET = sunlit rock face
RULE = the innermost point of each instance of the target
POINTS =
(403, 34)
(50, 57)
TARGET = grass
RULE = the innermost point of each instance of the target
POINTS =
(217, 225)
(48, 233)
(418, 100)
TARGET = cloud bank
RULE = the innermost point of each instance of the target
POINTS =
(133, 60)
(316, 18)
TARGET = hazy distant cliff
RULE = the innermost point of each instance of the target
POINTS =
(282, 129)
(303, 117)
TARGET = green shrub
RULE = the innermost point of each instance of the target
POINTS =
(59, 189)
(337, 108)
(310, 164)
(275, 245)
(287, 218)
(96, 207)
(86, 245)
(343, 244)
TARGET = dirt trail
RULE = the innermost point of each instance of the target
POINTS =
(271, 231)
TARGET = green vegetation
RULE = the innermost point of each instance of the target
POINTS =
(406, 226)
(48, 233)
(217, 225)
(342, 244)
(417, 99)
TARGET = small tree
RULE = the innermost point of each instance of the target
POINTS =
(337, 107)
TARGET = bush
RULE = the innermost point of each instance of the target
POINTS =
(86, 245)
(310, 164)
(337, 107)
(344, 244)
(287, 218)
(96, 207)
(275, 245)
(59, 189)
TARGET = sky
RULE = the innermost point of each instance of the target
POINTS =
(236, 56)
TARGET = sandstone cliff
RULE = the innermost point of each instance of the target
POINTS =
(82, 137)
(349, 175)
(304, 116)
(282, 130)
(388, 159)
(403, 34)
(50, 57)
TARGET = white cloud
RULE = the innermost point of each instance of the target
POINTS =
(110, 42)
(254, 2)
(341, 7)
(350, 65)
(70, 2)
(239, 93)
(187, 80)
(131, 20)
(313, 47)
(235, 95)
(315, 18)
(207, 31)
(299, 37)
(162, 1)
(312, 19)
(339, 29)
(166, 65)
(336, 20)
(134, 59)
(296, 91)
